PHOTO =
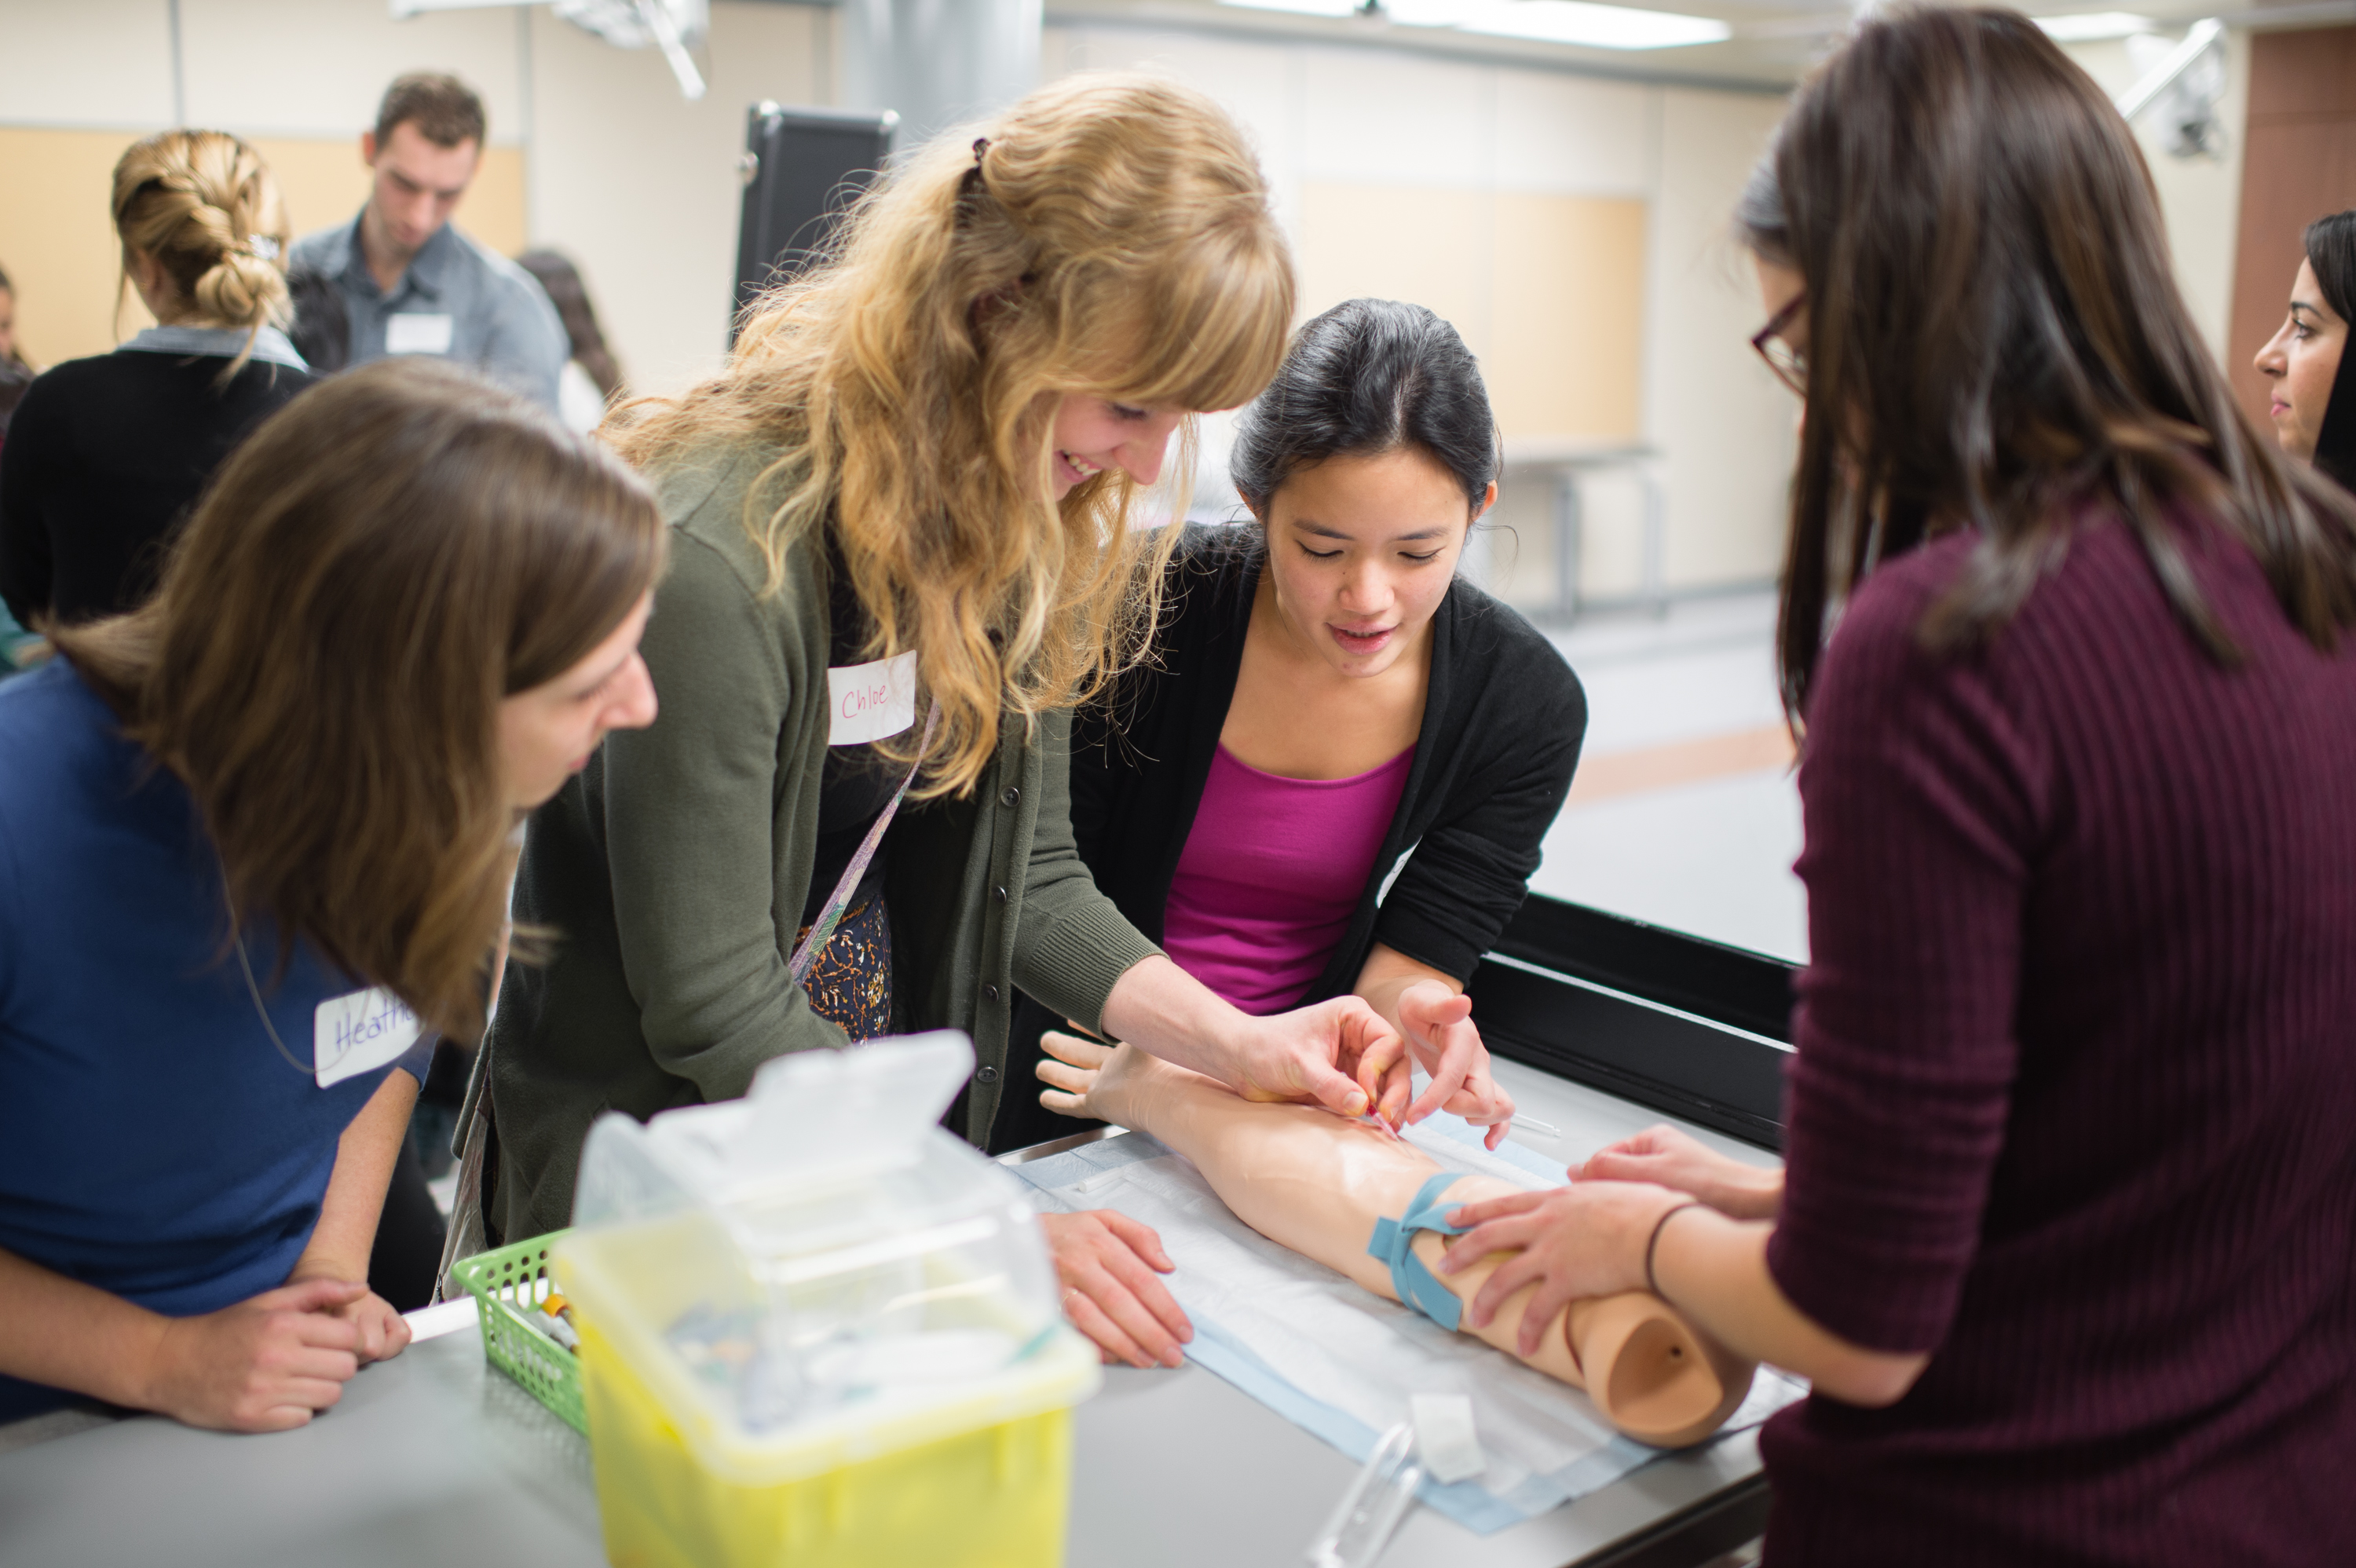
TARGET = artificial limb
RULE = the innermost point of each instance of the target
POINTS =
(1326, 1188)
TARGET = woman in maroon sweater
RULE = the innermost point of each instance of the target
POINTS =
(2063, 1237)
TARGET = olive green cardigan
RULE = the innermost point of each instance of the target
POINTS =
(673, 871)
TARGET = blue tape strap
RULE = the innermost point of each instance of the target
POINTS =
(1393, 1244)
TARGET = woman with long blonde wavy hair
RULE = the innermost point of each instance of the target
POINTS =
(906, 519)
(107, 455)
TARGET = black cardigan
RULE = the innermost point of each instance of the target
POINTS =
(1502, 719)
(105, 459)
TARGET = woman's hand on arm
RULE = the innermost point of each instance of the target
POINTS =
(1107, 1264)
(1591, 1240)
(1667, 1158)
(1336, 1054)
(1434, 1017)
(345, 1234)
(263, 1365)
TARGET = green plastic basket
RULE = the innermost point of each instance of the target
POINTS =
(505, 1283)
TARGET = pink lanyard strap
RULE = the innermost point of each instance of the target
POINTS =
(806, 955)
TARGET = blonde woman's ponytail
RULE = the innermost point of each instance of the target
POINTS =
(203, 204)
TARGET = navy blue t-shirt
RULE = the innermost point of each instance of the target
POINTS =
(154, 1142)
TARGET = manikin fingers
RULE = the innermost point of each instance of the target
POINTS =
(1070, 1048)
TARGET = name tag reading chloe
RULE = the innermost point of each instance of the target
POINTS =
(872, 701)
(359, 1032)
(411, 333)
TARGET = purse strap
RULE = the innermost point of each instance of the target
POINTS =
(830, 915)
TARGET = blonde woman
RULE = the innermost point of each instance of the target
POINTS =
(107, 455)
(904, 529)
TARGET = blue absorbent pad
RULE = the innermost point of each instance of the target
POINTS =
(1352, 1360)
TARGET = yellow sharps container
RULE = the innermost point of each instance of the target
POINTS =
(818, 1330)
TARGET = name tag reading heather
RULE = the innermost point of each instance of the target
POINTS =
(359, 1032)
(410, 332)
(872, 701)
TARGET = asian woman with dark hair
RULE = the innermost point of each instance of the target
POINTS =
(2061, 1236)
(1328, 698)
(2314, 377)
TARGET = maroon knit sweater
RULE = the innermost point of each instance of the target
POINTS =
(2073, 1107)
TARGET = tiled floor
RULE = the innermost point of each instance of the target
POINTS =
(1685, 812)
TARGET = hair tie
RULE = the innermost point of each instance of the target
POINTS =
(971, 182)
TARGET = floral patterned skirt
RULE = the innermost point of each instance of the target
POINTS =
(850, 984)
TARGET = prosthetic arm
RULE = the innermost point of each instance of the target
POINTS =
(1371, 1207)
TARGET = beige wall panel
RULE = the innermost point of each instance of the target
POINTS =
(1402, 242)
(89, 63)
(317, 67)
(324, 183)
(639, 186)
(1567, 317)
(1723, 424)
(58, 241)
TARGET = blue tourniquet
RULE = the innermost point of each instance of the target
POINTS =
(1393, 1244)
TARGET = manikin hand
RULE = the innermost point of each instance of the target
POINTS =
(1105, 1262)
(263, 1365)
(1442, 1040)
(1575, 1241)
(1666, 1156)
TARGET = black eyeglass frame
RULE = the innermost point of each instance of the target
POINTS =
(1791, 366)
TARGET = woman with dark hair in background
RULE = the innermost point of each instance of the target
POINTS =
(270, 814)
(590, 378)
(2314, 400)
(2062, 1236)
(1328, 695)
(107, 455)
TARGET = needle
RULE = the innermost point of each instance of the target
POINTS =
(1532, 1125)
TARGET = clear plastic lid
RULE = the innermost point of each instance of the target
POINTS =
(823, 1242)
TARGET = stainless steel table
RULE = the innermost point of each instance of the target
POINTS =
(434, 1459)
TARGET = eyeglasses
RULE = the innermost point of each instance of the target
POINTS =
(1790, 364)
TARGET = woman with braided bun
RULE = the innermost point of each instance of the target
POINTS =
(107, 455)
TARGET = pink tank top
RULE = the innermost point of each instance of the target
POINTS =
(1272, 870)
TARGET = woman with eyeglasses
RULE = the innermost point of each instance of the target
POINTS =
(2062, 1236)
(2313, 400)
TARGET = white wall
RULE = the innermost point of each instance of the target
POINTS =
(1322, 114)
(640, 186)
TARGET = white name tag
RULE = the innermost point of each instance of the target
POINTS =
(359, 1032)
(408, 333)
(872, 701)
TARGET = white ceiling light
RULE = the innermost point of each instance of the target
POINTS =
(1593, 26)
(2091, 26)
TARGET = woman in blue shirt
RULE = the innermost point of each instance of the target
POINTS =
(256, 840)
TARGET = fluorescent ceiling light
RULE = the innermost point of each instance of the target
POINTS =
(1593, 26)
(2088, 26)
